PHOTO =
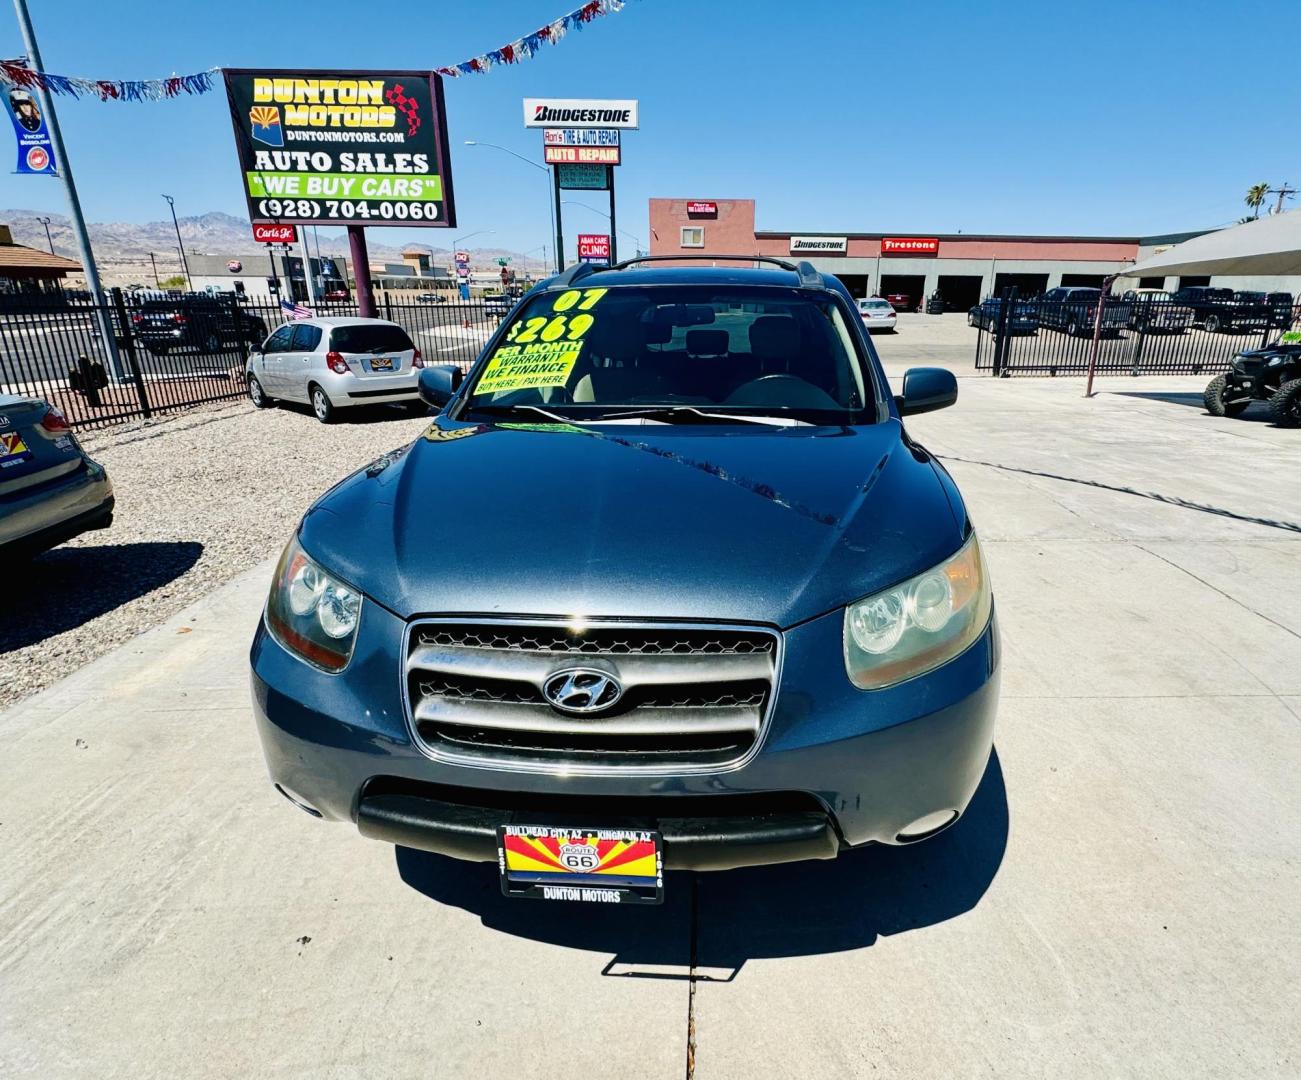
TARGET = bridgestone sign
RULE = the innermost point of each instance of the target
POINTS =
(569, 112)
(818, 245)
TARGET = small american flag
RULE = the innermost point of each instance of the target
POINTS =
(295, 310)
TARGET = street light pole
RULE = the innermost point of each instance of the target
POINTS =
(155, 266)
(46, 222)
(64, 168)
(177, 226)
(550, 178)
(631, 236)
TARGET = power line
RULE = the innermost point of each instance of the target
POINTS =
(1283, 192)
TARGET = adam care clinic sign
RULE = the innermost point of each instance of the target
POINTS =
(327, 148)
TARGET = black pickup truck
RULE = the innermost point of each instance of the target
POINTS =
(208, 323)
(1217, 309)
(1074, 310)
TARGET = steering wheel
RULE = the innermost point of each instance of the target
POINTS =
(781, 389)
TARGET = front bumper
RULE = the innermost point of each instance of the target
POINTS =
(839, 767)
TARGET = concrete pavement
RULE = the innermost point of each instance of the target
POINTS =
(1120, 900)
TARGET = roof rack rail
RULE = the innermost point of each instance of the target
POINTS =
(809, 275)
(571, 274)
(783, 263)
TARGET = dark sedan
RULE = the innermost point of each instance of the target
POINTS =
(50, 491)
(1023, 318)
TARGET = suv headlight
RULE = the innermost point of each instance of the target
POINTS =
(312, 614)
(920, 624)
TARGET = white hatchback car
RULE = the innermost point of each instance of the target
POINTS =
(333, 363)
(877, 314)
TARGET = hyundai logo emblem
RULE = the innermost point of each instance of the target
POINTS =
(581, 690)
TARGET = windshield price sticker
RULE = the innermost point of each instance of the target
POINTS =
(529, 367)
(541, 351)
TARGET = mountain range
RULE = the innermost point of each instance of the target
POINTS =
(122, 243)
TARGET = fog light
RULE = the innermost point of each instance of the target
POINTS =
(927, 826)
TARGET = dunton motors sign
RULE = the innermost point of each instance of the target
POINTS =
(910, 245)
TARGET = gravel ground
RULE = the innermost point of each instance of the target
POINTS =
(201, 496)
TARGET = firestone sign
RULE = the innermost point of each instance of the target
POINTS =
(576, 113)
(910, 245)
(818, 245)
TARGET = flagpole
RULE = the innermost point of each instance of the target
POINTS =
(64, 169)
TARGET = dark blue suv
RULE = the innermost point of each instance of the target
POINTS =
(665, 584)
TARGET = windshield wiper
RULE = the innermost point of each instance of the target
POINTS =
(507, 410)
(674, 413)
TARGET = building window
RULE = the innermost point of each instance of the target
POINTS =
(693, 236)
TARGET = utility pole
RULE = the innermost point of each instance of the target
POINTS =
(155, 266)
(70, 189)
(46, 222)
(309, 272)
(1283, 192)
(180, 246)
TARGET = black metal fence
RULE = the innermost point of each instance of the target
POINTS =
(1034, 336)
(174, 352)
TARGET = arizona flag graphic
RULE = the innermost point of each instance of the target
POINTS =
(266, 125)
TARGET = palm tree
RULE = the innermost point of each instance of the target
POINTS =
(1256, 198)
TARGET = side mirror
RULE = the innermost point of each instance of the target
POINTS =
(926, 389)
(436, 385)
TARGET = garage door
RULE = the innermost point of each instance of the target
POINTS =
(910, 285)
(960, 292)
(1026, 284)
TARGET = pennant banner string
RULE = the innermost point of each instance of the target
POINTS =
(15, 73)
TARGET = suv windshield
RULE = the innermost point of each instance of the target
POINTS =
(689, 350)
(369, 338)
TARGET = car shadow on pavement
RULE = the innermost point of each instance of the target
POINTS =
(361, 414)
(1255, 412)
(64, 588)
(718, 921)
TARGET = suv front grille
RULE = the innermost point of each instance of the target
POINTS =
(693, 697)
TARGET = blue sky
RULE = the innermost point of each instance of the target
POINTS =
(1010, 117)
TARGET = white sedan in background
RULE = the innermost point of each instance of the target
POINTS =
(332, 364)
(877, 314)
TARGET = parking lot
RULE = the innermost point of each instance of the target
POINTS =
(1120, 899)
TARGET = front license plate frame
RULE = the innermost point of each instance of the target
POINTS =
(382, 363)
(546, 862)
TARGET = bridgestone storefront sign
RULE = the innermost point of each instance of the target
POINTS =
(342, 148)
(818, 245)
(578, 113)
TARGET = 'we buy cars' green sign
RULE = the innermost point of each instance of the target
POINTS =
(326, 148)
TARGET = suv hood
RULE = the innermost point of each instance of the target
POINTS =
(745, 524)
